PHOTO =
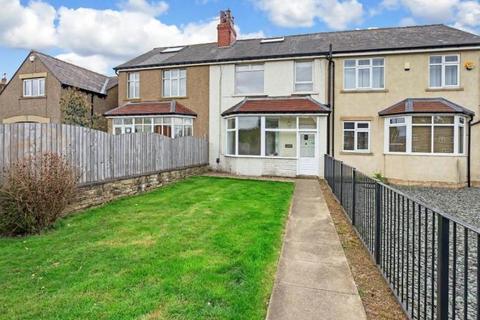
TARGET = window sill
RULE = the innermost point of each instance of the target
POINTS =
(133, 99)
(444, 89)
(453, 155)
(175, 97)
(33, 98)
(304, 93)
(364, 91)
(237, 95)
(259, 157)
(356, 153)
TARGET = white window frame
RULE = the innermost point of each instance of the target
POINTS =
(263, 131)
(179, 79)
(443, 64)
(295, 81)
(29, 83)
(136, 121)
(135, 82)
(250, 67)
(358, 67)
(356, 130)
(409, 125)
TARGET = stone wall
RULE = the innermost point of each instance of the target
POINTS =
(100, 193)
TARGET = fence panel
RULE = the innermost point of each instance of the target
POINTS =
(430, 259)
(100, 156)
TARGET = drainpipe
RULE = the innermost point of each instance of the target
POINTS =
(331, 103)
(469, 148)
(91, 110)
(220, 114)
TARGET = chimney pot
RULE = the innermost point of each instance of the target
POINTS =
(226, 33)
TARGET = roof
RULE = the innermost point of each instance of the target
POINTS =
(399, 38)
(71, 75)
(112, 82)
(425, 105)
(151, 108)
(277, 105)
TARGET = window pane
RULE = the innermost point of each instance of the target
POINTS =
(138, 128)
(443, 139)
(231, 142)
(174, 73)
(364, 62)
(349, 140)
(231, 123)
(167, 131)
(436, 76)
(377, 62)
(304, 87)
(422, 139)
(148, 128)
(188, 121)
(166, 74)
(421, 120)
(174, 84)
(27, 88)
(349, 125)
(280, 123)
(443, 119)
(128, 121)
(378, 78)
(349, 63)
(350, 79)
(249, 136)
(307, 123)
(167, 120)
(183, 87)
(183, 73)
(303, 71)
(178, 131)
(166, 88)
(461, 134)
(363, 78)
(436, 59)
(397, 120)
(280, 144)
(451, 58)
(188, 131)
(157, 120)
(41, 87)
(362, 140)
(451, 75)
(362, 125)
(157, 129)
(249, 82)
(117, 131)
(35, 87)
(398, 139)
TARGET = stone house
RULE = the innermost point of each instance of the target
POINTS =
(33, 93)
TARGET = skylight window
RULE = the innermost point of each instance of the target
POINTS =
(272, 40)
(172, 49)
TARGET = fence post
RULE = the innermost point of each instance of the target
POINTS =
(354, 184)
(378, 222)
(341, 183)
(442, 263)
(333, 163)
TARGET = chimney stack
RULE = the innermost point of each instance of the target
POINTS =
(3, 82)
(225, 29)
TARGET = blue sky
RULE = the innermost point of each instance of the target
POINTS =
(101, 34)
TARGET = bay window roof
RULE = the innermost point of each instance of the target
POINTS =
(151, 108)
(277, 105)
(425, 105)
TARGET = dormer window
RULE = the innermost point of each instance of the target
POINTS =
(34, 87)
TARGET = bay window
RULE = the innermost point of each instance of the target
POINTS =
(303, 76)
(133, 85)
(175, 83)
(361, 74)
(249, 79)
(34, 87)
(444, 71)
(426, 134)
(172, 127)
(356, 136)
(268, 136)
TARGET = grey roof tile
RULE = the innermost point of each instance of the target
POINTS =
(417, 37)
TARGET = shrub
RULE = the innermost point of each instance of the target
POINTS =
(35, 193)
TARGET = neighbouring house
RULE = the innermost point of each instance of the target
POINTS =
(33, 93)
(396, 101)
(3, 82)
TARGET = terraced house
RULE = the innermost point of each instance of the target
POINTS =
(400, 102)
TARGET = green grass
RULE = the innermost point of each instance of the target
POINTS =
(204, 248)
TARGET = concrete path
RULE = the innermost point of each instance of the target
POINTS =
(313, 280)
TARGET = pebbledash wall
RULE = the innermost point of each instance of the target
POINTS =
(95, 194)
(278, 82)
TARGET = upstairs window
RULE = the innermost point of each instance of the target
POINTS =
(133, 85)
(249, 79)
(175, 83)
(303, 76)
(34, 87)
(361, 74)
(444, 71)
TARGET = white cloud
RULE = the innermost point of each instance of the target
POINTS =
(151, 8)
(336, 14)
(431, 10)
(31, 26)
(407, 21)
(468, 16)
(99, 39)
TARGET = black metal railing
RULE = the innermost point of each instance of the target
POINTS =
(429, 258)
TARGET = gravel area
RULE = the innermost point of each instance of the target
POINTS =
(462, 203)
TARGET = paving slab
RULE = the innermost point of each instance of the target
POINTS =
(313, 279)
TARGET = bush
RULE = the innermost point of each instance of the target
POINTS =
(35, 193)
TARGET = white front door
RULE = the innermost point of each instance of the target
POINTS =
(308, 159)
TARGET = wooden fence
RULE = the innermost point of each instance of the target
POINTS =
(98, 155)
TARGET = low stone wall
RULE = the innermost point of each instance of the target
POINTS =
(99, 193)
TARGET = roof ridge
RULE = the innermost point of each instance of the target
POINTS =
(69, 63)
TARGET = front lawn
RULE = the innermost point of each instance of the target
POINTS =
(204, 248)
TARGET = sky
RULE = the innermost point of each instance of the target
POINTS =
(102, 34)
